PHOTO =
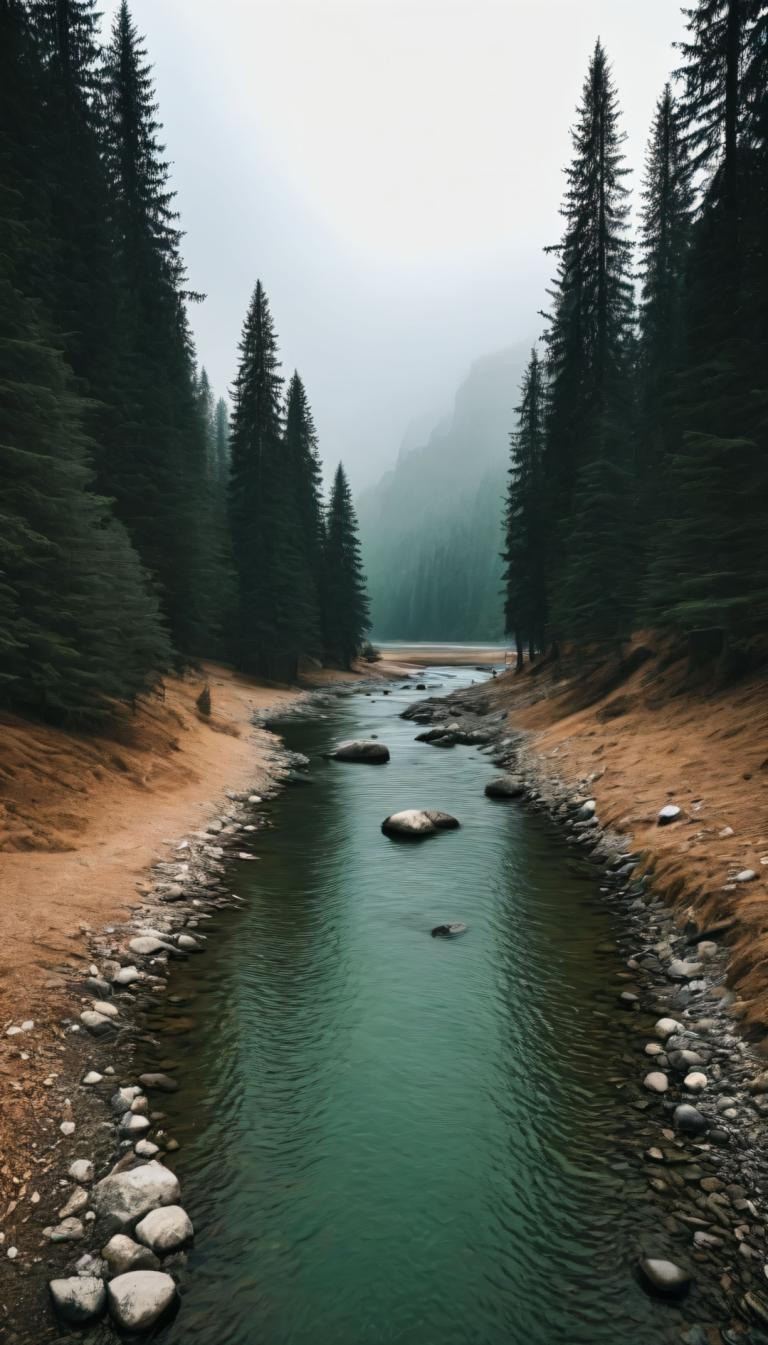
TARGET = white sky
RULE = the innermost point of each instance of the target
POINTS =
(391, 169)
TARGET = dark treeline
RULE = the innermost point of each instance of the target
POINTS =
(638, 490)
(139, 531)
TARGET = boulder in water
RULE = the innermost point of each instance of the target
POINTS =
(362, 749)
(139, 1298)
(504, 787)
(418, 822)
(449, 930)
(664, 1277)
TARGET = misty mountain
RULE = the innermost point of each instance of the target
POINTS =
(431, 528)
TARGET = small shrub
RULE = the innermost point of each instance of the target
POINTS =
(369, 653)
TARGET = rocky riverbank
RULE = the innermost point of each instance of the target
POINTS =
(95, 1227)
(696, 1090)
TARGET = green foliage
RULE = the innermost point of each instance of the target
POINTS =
(346, 616)
(525, 605)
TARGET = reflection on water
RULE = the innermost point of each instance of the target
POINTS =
(398, 1139)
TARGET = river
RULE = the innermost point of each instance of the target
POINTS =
(392, 1138)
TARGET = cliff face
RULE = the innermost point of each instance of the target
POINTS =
(431, 528)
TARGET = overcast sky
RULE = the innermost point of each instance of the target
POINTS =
(391, 170)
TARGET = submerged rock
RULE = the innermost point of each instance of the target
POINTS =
(418, 822)
(504, 787)
(689, 1120)
(362, 749)
(161, 1083)
(79, 1299)
(664, 1277)
(450, 930)
(139, 1298)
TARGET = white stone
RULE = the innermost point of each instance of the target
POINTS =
(108, 1010)
(97, 1023)
(656, 1082)
(129, 1195)
(132, 1125)
(165, 1230)
(67, 1127)
(126, 976)
(92, 1078)
(78, 1201)
(666, 1027)
(146, 1149)
(654, 1048)
(122, 1255)
(137, 1299)
(695, 1082)
(82, 1171)
(746, 876)
(146, 944)
(669, 813)
(79, 1299)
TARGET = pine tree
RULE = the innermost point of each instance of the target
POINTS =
(155, 469)
(347, 617)
(525, 606)
(664, 244)
(709, 576)
(79, 627)
(276, 614)
(303, 465)
(589, 354)
(221, 442)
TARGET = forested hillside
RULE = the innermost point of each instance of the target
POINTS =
(137, 533)
(431, 528)
(639, 483)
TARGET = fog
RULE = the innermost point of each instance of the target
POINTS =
(391, 169)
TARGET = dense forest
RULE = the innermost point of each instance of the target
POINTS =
(141, 530)
(638, 490)
(431, 529)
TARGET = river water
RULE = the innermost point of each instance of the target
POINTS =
(392, 1138)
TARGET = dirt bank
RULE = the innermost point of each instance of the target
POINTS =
(643, 733)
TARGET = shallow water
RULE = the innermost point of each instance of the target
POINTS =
(392, 1138)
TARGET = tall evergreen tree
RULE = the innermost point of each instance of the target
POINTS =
(709, 575)
(79, 627)
(346, 613)
(303, 465)
(276, 615)
(156, 470)
(221, 441)
(525, 604)
(664, 243)
(589, 355)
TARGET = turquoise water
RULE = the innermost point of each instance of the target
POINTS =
(392, 1138)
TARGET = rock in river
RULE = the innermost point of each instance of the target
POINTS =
(79, 1299)
(126, 1196)
(689, 1120)
(664, 1277)
(450, 930)
(161, 1083)
(504, 787)
(165, 1230)
(137, 1299)
(418, 822)
(361, 749)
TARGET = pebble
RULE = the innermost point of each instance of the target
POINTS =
(78, 1201)
(666, 1027)
(656, 1082)
(67, 1127)
(69, 1230)
(695, 1082)
(92, 1078)
(669, 813)
(82, 1171)
(689, 1120)
(161, 1083)
(746, 876)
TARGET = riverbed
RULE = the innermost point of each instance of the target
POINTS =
(394, 1138)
